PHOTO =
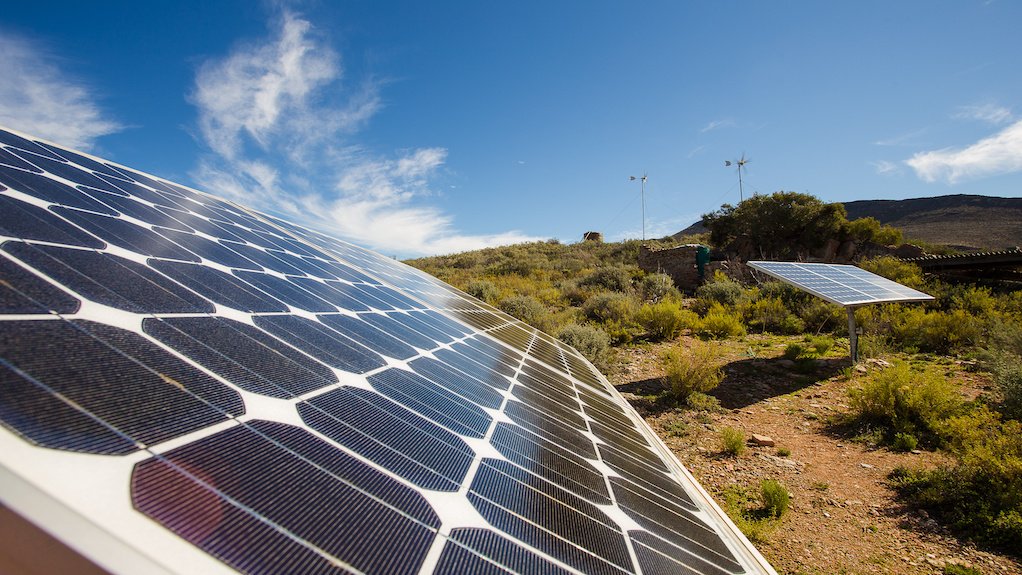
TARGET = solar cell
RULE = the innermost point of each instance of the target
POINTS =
(844, 285)
(238, 393)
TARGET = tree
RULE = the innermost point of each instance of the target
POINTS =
(782, 224)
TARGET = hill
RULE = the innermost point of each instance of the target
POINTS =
(983, 222)
(980, 222)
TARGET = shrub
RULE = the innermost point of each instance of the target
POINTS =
(609, 278)
(783, 452)
(526, 308)
(901, 400)
(658, 287)
(980, 496)
(793, 351)
(904, 442)
(721, 290)
(696, 371)
(732, 441)
(820, 344)
(936, 331)
(593, 343)
(819, 316)
(775, 498)
(665, 320)
(768, 314)
(609, 306)
(699, 401)
(720, 324)
(894, 269)
(483, 290)
(1007, 372)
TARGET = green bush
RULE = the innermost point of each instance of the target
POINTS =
(698, 370)
(820, 344)
(819, 316)
(901, 400)
(980, 496)
(732, 441)
(936, 331)
(665, 320)
(609, 306)
(904, 442)
(699, 401)
(775, 498)
(793, 351)
(526, 308)
(770, 314)
(1008, 381)
(658, 287)
(615, 279)
(895, 270)
(721, 290)
(719, 323)
(483, 290)
(593, 343)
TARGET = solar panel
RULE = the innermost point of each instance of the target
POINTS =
(187, 385)
(844, 285)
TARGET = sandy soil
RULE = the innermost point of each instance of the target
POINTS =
(843, 516)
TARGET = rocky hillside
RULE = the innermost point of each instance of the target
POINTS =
(976, 222)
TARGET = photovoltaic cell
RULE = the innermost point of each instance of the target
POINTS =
(236, 391)
(844, 285)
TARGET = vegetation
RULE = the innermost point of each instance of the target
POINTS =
(757, 517)
(732, 441)
(697, 371)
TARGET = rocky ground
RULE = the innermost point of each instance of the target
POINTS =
(843, 517)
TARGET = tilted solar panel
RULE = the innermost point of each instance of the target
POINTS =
(190, 386)
(844, 285)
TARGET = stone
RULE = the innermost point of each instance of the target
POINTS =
(866, 466)
(764, 440)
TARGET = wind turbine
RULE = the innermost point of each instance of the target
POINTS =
(741, 164)
(642, 194)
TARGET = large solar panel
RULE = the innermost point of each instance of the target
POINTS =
(844, 285)
(189, 386)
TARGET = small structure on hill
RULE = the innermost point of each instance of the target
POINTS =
(592, 237)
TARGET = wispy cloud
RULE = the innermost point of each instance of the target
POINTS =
(38, 97)
(906, 139)
(281, 125)
(715, 124)
(989, 113)
(885, 167)
(1000, 153)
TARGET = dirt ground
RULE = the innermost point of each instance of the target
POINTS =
(843, 516)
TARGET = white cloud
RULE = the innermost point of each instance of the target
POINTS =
(905, 139)
(41, 99)
(997, 154)
(713, 125)
(280, 125)
(885, 167)
(989, 113)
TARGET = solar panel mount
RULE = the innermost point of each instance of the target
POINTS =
(191, 386)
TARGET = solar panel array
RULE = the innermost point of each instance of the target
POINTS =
(190, 386)
(844, 285)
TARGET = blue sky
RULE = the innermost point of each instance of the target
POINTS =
(434, 127)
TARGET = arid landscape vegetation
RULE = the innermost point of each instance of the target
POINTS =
(909, 461)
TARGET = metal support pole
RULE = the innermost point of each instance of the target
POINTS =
(642, 195)
(853, 338)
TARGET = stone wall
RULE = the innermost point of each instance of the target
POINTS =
(678, 262)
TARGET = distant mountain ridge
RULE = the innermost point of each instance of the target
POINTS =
(969, 221)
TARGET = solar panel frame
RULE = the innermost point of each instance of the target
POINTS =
(69, 494)
(841, 284)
